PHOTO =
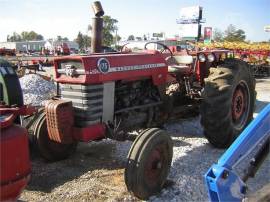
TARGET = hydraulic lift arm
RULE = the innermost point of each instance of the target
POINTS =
(250, 148)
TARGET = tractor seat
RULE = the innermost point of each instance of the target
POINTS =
(179, 63)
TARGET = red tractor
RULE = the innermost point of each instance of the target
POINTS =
(62, 49)
(15, 166)
(15, 159)
(7, 52)
(106, 95)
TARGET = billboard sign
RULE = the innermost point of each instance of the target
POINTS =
(189, 30)
(267, 28)
(207, 34)
(191, 13)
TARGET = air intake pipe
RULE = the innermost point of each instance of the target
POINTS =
(97, 26)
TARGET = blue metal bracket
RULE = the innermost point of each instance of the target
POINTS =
(222, 180)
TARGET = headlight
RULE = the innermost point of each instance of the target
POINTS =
(210, 57)
(202, 57)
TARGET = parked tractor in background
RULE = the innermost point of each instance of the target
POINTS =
(15, 160)
(62, 49)
(257, 55)
(107, 95)
(7, 52)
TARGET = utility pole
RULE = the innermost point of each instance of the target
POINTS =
(116, 38)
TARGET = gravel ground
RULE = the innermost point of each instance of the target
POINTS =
(36, 90)
(95, 171)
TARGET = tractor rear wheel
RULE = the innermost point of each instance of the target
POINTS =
(50, 150)
(228, 102)
(149, 162)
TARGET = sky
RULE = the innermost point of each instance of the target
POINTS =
(138, 17)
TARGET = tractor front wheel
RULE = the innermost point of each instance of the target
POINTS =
(228, 102)
(149, 162)
(50, 150)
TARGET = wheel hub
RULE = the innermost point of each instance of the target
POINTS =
(154, 166)
(240, 105)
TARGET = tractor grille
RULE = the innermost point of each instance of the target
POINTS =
(64, 65)
(87, 101)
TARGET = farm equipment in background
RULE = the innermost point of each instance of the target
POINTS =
(28, 64)
(226, 179)
(15, 160)
(35, 64)
(62, 49)
(257, 55)
(258, 60)
(107, 95)
(7, 52)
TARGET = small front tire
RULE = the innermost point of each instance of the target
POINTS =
(149, 162)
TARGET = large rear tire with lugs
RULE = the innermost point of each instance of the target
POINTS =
(228, 102)
(149, 162)
(50, 150)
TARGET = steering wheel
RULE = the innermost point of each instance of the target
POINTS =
(161, 44)
(122, 47)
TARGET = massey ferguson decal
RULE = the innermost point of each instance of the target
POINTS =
(70, 70)
(103, 67)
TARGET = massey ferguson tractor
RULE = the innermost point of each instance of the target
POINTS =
(107, 95)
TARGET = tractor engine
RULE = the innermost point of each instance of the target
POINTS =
(134, 102)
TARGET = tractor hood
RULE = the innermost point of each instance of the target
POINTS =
(99, 68)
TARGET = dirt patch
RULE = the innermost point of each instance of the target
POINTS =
(90, 174)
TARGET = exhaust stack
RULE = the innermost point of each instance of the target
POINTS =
(97, 26)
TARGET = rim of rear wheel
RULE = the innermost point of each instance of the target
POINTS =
(240, 105)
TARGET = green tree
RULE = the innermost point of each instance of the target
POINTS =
(31, 36)
(25, 36)
(240, 35)
(116, 38)
(80, 40)
(39, 37)
(109, 27)
(131, 38)
(60, 38)
(218, 35)
(14, 37)
(233, 34)
(86, 41)
(83, 41)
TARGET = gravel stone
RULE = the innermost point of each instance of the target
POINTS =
(36, 90)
